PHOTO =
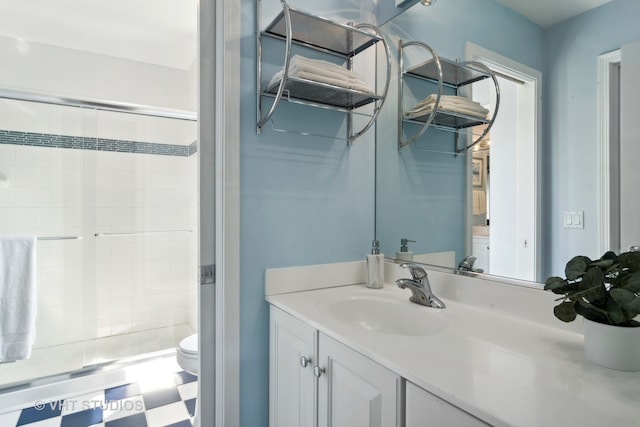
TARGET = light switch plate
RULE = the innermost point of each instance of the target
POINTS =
(573, 219)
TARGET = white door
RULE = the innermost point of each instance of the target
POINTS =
(513, 230)
(292, 389)
(354, 391)
(629, 146)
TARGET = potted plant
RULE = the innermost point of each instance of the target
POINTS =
(606, 292)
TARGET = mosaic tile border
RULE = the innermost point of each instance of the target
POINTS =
(95, 144)
(193, 148)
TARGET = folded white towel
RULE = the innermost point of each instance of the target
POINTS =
(322, 72)
(452, 99)
(17, 297)
(354, 85)
(451, 103)
(325, 65)
(447, 108)
(301, 67)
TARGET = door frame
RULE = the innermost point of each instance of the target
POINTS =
(511, 69)
(219, 214)
(608, 189)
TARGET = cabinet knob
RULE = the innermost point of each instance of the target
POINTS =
(304, 361)
(317, 371)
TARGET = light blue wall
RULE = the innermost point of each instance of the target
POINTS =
(304, 200)
(570, 146)
(420, 193)
(307, 200)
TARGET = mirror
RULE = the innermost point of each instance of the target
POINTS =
(426, 193)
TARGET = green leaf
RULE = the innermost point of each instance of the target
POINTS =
(592, 277)
(576, 267)
(592, 312)
(609, 255)
(630, 260)
(594, 295)
(614, 312)
(632, 282)
(557, 285)
(565, 311)
(626, 299)
(603, 263)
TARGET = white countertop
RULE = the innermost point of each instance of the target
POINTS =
(504, 370)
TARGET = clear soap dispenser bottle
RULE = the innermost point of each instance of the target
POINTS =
(375, 267)
(404, 254)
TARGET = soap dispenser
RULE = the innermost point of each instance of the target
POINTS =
(375, 267)
(404, 254)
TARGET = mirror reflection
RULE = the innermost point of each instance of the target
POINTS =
(542, 186)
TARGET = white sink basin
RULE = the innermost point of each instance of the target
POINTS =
(388, 316)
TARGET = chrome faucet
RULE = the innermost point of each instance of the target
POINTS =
(419, 286)
(467, 265)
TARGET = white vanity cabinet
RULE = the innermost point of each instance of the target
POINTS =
(355, 391)
(424, 409)
(337, 387)
(292, 385)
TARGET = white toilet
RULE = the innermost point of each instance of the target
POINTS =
(188, 358)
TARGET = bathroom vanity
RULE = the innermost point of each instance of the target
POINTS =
(343, 354)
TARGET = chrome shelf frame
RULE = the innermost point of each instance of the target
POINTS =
(488, 71)
(341, 39)
(454, 74)
(344, 40)
(451, 74)
(447, 119)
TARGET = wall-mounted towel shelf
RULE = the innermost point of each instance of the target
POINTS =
(450, 74)
(297, 27)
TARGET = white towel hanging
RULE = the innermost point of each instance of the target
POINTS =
(17, 297)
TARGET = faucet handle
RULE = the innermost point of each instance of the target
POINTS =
(417, 271)
(467, 263)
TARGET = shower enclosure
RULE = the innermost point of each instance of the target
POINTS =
(99, 160)
(110, 190)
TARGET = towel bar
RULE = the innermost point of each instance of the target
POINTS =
(141, 233)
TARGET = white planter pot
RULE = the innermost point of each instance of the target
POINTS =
(613, 347)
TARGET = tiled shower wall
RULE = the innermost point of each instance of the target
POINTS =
(100, 286)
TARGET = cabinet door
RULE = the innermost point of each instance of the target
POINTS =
(481, 252)
(424, 409)
(292, 386)
(354, 391)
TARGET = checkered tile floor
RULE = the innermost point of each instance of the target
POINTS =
(167, 400)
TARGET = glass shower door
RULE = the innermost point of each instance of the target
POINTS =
(42, 194)
(141, 183)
